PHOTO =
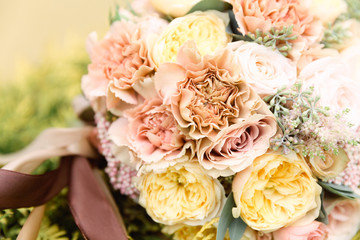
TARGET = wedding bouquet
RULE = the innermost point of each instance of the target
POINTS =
(234, 119)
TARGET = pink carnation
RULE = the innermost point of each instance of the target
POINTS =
(213, 105)
(118, 62)
(257, 14)
(150, 131)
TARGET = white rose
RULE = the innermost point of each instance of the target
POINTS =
(262, 68)
(332, 81)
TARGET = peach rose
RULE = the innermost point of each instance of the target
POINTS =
(344, 219)
(256, 14)
(262, 68)
(329, 167)
(332, 81)
(203, 95)
(238, 145)
(118, 62)
(276, 191)
(313, 231)
(151, 132)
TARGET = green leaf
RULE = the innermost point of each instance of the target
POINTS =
(226, 217)
(205, 5)
(323, 217)
(237, 228)
(342, 191)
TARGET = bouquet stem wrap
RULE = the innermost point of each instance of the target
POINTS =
(90, 202)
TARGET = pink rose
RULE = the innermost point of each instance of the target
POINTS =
(118, 63)
(313, 231)
(344, 219)
(150, 131)
(238, 145)
(256, 14)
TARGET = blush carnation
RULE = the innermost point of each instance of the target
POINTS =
(118, 62)
(204, 96)
(150, 131)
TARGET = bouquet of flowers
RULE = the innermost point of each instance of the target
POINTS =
(234, 119)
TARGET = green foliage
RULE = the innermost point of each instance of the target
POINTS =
(38, 99)
(340, 190)
(138, 224)
(277, 39)
(323, 216)
(335, 35)
(306, 126)
(353, 9)
(236, 226)
(206, 5)
(11, 221)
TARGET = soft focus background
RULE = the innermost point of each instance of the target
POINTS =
(42, 58)
(27, 28)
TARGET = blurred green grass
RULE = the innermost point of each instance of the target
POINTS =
(40, 96)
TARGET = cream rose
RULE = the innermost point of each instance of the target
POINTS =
(174, 8)
(204, 96)
(262, 68)
(182, 194)
(207, 29)
(327, 10)
(344, 219)
(238, 145)
(329, 167)
(332, 81)
(277, 191)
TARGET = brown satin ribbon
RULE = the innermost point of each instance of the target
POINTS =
(89, 204)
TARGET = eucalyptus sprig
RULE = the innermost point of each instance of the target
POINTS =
(306, 126)
(277, 39)
(335, 35)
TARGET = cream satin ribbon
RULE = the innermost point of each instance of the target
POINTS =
(53, 142)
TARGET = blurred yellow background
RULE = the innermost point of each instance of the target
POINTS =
(28, 27)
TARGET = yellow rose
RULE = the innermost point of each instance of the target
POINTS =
(208, 232)
(174, 8)
(207, 29)
(276, 192)
(182, 194)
